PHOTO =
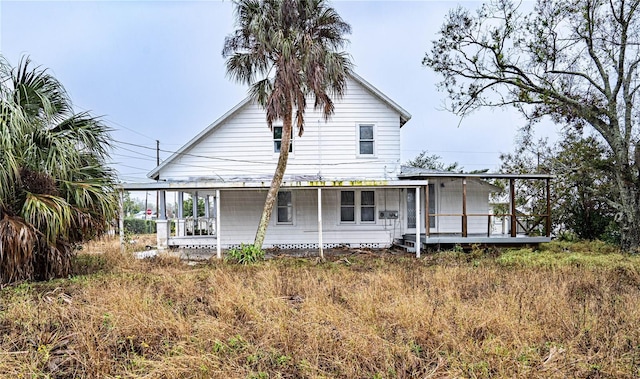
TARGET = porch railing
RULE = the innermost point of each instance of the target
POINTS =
(519, 224)
(199, 227)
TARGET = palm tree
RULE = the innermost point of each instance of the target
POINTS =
(55, 189)
(287, 51)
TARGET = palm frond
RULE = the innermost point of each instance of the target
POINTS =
(18, 241)
(51, 215)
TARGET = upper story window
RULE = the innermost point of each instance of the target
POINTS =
(277, 139)
(366, 139)
(285, 208)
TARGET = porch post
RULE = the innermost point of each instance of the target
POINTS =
(427, 222)
(206, 207)
(418, 216)
(512, 200)
(121, 218)
(548, 223)
(320, 223)
(195, 212)
(464, 207)
(162, 225)
(218, 244)
(162, 205)
(180, 231)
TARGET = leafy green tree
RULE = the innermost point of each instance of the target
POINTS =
(187, 206)
(433, 162)
(575, 61)
(581, 191)
(55, 189)
(129, 206)
(287, 51)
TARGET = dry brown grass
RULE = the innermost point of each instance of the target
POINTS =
(358, 316)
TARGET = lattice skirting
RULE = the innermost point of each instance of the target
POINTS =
(311, 246)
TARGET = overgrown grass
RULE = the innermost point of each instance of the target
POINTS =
(519, 313)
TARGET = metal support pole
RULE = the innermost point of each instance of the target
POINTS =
(320, 223)
(427, 222)
(512, 201)
(121, 219)
(218, 243)
(548, 223)
(162, 205)
(195, 212)
(464, 207)
(418, 217)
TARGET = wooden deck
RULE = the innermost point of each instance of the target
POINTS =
(481, 239)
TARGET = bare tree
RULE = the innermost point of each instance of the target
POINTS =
(575, 61)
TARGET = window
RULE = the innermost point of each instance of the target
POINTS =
(365, 138)
(285, 208)
(363, 210)
(367, 206)
(277, 139)
(347, 206)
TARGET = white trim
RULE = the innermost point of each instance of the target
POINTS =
(288, 183)
(320, 222)
(292, 149)
(218, 239)
(404, 117)
(418, 217)
(199, 137)
(293, 209)
(357, 207)
(374, 140)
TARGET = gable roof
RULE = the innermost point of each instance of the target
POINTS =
(404, 117)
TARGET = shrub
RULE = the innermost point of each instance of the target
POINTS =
(246, 254)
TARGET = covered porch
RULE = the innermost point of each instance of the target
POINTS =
(232, 207)
(520, 214)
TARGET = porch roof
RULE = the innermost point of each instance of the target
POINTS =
(264, 185)
(422, 173)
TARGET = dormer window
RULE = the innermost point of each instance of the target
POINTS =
(366, 139)
(277, 139)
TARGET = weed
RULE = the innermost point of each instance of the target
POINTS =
(246, 254)
(517, 313)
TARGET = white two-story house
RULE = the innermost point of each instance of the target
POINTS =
(344, 184)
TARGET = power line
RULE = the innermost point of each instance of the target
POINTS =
(133, 157)
(243, 160)
(116, 123)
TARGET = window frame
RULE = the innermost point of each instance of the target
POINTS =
(359, 140)
(353, 206)
(276, 140)
(357, 207)
(290, 207)
(361, 207)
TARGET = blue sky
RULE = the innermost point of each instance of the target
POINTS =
(154, 71)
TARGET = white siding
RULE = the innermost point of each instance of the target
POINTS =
(240, 213)
(242, 145)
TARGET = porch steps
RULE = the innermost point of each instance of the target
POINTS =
(408, 246)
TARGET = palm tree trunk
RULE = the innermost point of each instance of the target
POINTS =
(272, 195)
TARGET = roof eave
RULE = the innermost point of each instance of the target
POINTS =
(154, 174)
(404, 115)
